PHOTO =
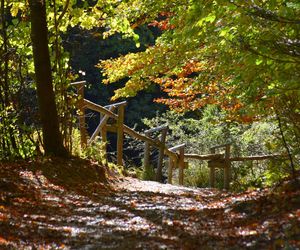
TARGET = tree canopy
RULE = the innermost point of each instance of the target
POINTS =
(243, 56)
(19, 116)
(228, 70)
(240, 56)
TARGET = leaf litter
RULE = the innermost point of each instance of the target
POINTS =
(75, 204)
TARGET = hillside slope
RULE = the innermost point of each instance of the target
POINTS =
(74, 204)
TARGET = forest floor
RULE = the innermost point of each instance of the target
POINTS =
(75, 204)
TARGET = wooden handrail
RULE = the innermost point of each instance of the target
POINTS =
(177, 147)
(180, 163)
(159, 128)
(204, 157)
(162, 130)
(128, 130)
(239, 158)
(99, 108)
(176, 153)
(155, 143)
(78, 83)
(256, 157)
(100, 126)
(115, 104)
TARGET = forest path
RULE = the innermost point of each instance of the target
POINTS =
(39, 214)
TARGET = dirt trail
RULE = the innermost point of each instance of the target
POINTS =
(37, 214)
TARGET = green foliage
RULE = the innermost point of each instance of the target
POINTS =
(188, 128)
(18, 71)
(243, 57)
(197, 175)
(18, 140)
(148, 174)
(94, 152)
(86, 48)
(209, 128)
(66, 20)
(135, 172)
(275, 173)
(246, 55)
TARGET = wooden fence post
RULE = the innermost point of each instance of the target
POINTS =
(102, 123)
(227, 167)
(147, 156)
(212, 175)
(161, 155)
(120, 134)
(181, 165)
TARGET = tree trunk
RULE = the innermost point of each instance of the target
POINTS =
(52, 138)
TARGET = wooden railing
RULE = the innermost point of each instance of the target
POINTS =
(178, 159)
(162, 130)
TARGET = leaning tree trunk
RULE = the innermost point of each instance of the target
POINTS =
(52, 138)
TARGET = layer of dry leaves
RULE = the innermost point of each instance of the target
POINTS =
(73, 204)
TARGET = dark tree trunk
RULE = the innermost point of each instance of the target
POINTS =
(52, 138)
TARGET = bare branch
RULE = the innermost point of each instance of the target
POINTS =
(64, 11)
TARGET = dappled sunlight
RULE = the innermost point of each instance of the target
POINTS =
(139, 214)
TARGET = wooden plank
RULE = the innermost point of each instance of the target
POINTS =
(147, 158)
(154, 143)
(120, 134)
(159, 174)
(102, 123)
(129, 131)
(100, 109)
(181, 165)
(212, 173)
(178, 147)
(115, 105)
(186, 165)
(256, 157)
(204, 157)
(156, 129)
(146, 155)
(78, 83)
(227, 169)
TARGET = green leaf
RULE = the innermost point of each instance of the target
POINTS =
(258, 61)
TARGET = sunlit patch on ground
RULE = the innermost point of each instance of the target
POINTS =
(36, 213)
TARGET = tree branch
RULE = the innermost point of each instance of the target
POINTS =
(256, 52)
(286, 146)
(64, 11)
(255, 10)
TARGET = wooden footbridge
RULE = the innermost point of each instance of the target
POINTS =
(178, 159)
